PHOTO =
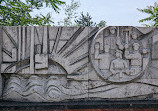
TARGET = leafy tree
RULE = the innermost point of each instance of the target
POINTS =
(85, 20)
(153, 12)
(70, 13)
(17, 12)
(102, 23)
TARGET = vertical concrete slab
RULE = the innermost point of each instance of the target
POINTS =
(0, 61)
(45, 40)
(19, 45)
(32, 55)
(23, 42)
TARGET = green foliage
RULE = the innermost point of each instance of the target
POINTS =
(72, 16)
(17, 12)
(40, 3)
(153, 12)
(102, 23)
(70, 13)
(85, 20)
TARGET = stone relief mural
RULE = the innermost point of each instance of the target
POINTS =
(53, 64)
(122, 56)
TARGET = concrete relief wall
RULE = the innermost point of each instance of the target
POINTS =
(51, 64)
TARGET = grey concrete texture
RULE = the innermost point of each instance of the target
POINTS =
(51, 64)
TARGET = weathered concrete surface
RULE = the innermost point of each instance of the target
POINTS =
(52, 64)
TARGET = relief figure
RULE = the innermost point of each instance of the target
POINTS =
(119, 66)
(135, 59)
(104, 58)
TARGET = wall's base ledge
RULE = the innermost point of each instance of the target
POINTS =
(85, 104)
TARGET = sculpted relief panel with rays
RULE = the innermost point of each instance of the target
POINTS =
(51, 64)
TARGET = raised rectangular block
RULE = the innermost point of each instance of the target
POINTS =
(41, 61)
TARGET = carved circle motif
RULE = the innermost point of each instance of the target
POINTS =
(118, 54)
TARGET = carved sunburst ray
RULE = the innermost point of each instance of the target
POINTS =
(57, 39)
(65, 51)
(84, 40)
(10, 37)
(71, 40)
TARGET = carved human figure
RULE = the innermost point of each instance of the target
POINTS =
(119, 41)
(112, 30)
(111, 38)
(104, 58)
(118, 65)
(134, 35)
(136, 59)
(133, 39)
